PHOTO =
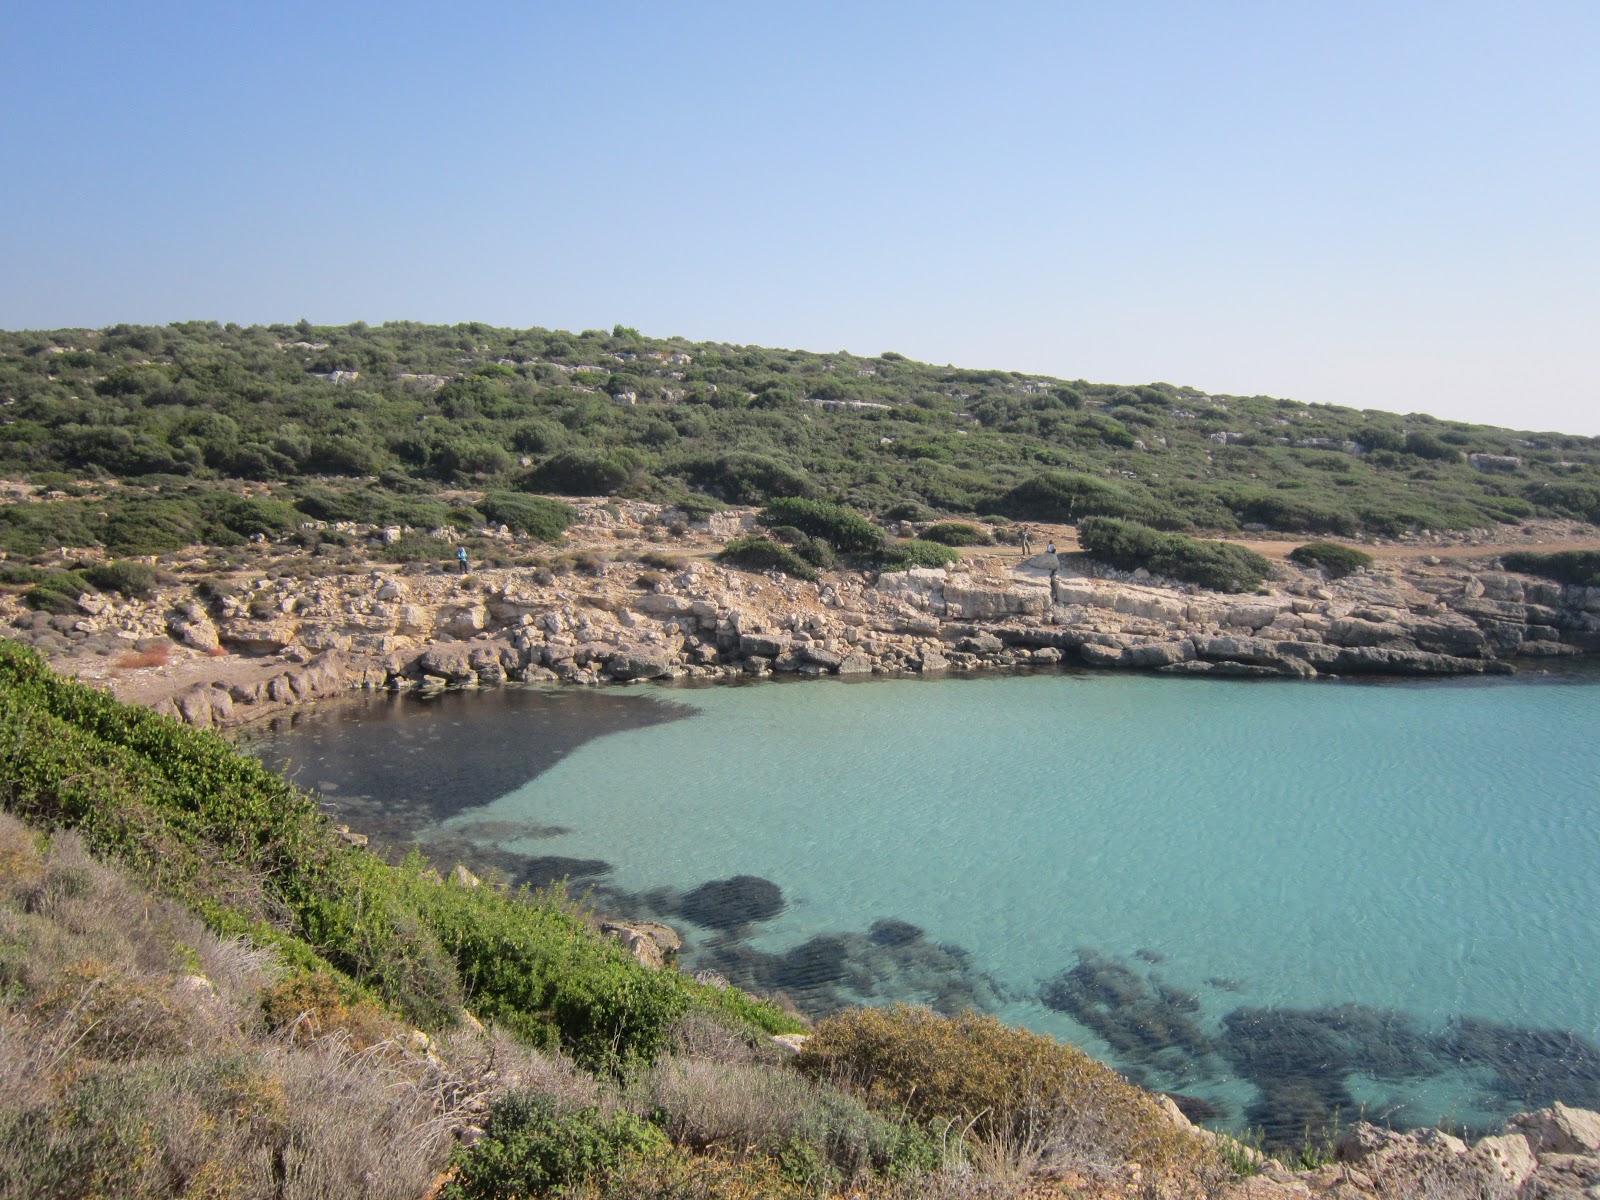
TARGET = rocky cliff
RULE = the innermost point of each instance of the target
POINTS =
(230, 650)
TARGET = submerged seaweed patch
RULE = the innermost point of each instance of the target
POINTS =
(1530, 1067)
(731, 903)
(1146, 1021)
(893, 960)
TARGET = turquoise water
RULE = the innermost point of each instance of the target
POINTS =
(1193, 873)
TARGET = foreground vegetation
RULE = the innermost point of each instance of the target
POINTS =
(205, 992)
(380, 424)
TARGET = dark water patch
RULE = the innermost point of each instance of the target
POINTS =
(833, 971)
(1301, 1061)
(507, 831)
(888, 931)
(1153, 957)
(1223, 984)
(732, 903)
(400, 763)
(1530, 1068)
(1146, 1021)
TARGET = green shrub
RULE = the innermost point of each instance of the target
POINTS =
(1580, 567)
(534, 1147)
(584, 472)
(250, 515)
(760, 554)
(746, 478)
(1064, 496)
(846, 529)
(956, 533)
(418, 547)
(1336, 560)
(816, 551)
(54, 592)
(20, 574)
(135, 580)
(916, 553)
(1217, 565)
(697, 508)
(544, 520)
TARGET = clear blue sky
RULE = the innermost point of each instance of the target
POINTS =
(1386, 205)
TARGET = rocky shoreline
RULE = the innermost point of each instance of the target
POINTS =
(223, 652)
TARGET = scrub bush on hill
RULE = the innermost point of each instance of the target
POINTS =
(584, 472)
(1335, 560)
(956, 533)
(199, 401)
(847, 530)
(254, 856)
(135, 580)
(1217, 565)
(1064, 497)
(916, 553)
(546, 520)
(1581, 567)
(534, 1147)
(760, 554)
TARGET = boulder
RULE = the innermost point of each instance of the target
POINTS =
(828, 660)
(450, 661)
(1101, 656)
(1159, 654)
(762, 645)
(650, 942)
(1559, 1130)
(637, 662)
(855, 664)
(1507, 1161)
(661, 605)
(1226, 648)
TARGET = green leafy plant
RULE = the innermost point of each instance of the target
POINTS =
(761, 554)
(1219, 565)
(1335, 560)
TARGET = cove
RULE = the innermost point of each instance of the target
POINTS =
(1284, 902)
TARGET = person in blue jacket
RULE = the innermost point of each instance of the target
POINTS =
(461, 557)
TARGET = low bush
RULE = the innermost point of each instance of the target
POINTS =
(539, 518)
(1335, 560)
(1002, 1083)
(135, 580)
(418, 547)
(815, 550)
(1218, 565)
(761, 554)
(1581, 567)
(956, 533)
(54, 592)
(532, 1146)
(584, 472)
(916, 553)
(845, 528)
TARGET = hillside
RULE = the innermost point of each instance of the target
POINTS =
(373, 424)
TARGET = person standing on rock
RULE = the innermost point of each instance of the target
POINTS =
(461, 557)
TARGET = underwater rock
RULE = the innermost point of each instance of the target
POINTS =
(730, 903)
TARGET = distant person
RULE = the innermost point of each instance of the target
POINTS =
(1027, 548)
(461, 557)
(1051, 548)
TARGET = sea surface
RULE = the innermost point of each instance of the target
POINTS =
(1288, 903)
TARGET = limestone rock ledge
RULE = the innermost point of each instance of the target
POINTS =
(305, 638)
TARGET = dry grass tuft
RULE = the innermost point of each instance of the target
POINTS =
(156, 656)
